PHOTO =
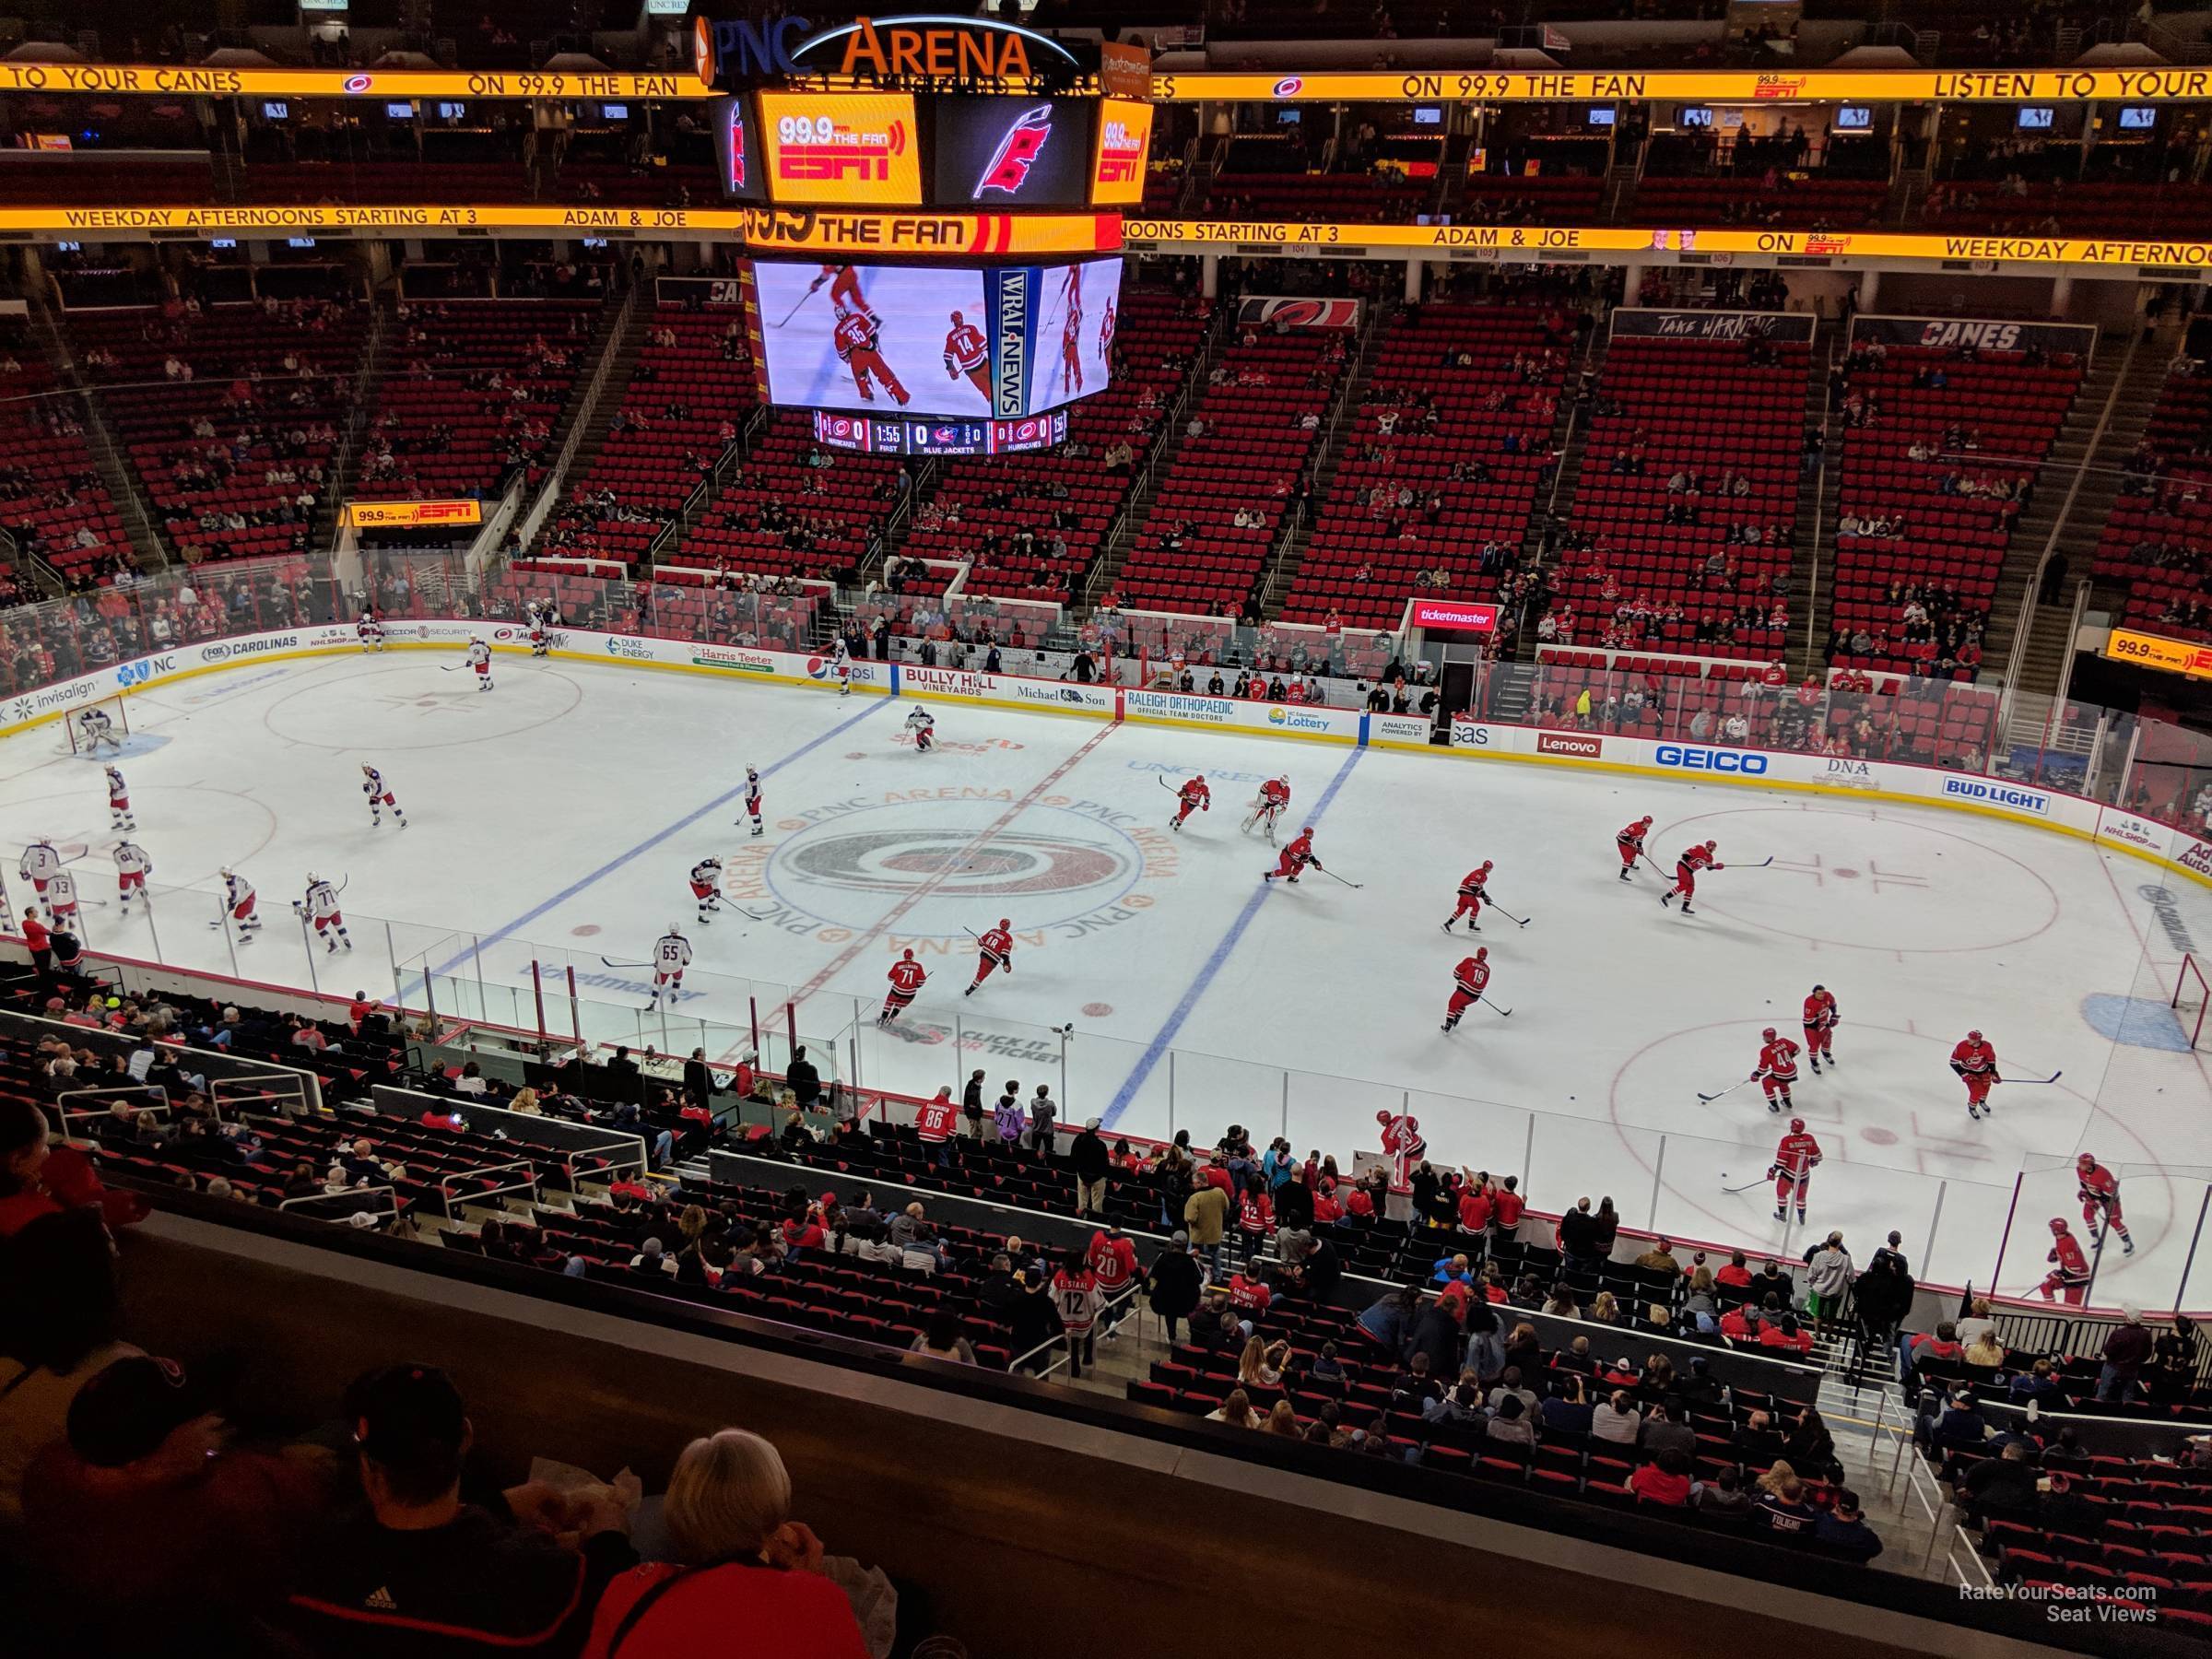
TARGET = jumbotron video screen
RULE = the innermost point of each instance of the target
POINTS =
(944, 341)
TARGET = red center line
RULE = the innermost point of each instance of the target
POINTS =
(845, 958)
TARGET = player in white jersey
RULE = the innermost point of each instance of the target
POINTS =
(379, 797)
(95, 729)
(841, 665)
(670, 957)
(132, 867)
(752, 797)
(40, 864)
(479, 658)
(924, 725)
(370, 629)
(119, 800)
(320, 906)
(541, 637)
(238, 904)
(706, 886)
(60, 891)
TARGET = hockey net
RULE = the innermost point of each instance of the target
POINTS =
(73, 732)
(2192, 997)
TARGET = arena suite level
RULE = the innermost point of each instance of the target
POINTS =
(2173, 850)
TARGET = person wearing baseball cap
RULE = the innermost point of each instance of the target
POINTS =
(423, 1574)
(146, 1513)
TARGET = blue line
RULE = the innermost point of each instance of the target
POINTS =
(643, 847)
(1158, 1047)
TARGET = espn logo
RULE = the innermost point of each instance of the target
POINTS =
(1019, 150)
(1569, 743)
(846, 153)
(1121, 153)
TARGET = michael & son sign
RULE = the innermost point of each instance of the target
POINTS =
(1695, 763)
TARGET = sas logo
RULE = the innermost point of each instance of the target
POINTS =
(1570, 743)
(1290, 86)
(1295, 720)
(1017, 151)
(1983, 791)
(1747, 763)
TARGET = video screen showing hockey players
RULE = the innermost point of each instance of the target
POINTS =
(907, 339)
(882, 338)
(1077, 307)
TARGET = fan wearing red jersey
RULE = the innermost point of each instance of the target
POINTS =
(1777, 1068)
(1473, 891)
(1821, 1018)
(2100, 1199)
(967, 353)
(1403, 1145)
(1630, 842)
(907, 977)
(1193, 796)
(2069, 1275)
(1792, 1170)
(855, 335)
(1976, 1063)
(1295, 857)
(1693, 859)
(936, 1123)
(1469, 980)
(995, 950)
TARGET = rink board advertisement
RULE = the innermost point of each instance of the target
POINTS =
(1708, 763)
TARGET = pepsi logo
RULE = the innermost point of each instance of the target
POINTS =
(359, 83)
(1290, 86)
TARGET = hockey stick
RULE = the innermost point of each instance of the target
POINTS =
(1508, 914)
(1488, 1004)
(1746, 1187)
(1331, 874)
(448, 667)
(1761, 864)
(811, 289)
(1709, 1099)
(612, 963)
(2035, 1082)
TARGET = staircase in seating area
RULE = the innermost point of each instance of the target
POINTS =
(114, 472)
(368, 375)
(1812, 607)
(1340, 426)
(2116, 393)
(596, 395)
(1554, 504)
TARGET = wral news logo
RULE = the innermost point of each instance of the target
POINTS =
(1019, 150)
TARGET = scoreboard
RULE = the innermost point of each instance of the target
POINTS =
(976, 152)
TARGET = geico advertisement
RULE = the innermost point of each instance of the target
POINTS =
(830, 148)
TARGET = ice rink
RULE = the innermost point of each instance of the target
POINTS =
(554, 820)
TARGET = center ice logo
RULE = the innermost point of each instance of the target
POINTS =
(1009, 865)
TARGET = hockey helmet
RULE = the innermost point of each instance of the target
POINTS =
(1768, 1034)
(2058, 1224)
(2086, 1161)
(1382, 1117)
(1973, 1036)
(1482, 953)
(1713, 846)
(1797, 1125)
(907, 956)
(1307, 831)
(957, 319)
(1003, 923)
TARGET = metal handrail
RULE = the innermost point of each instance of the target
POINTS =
(446, 1194)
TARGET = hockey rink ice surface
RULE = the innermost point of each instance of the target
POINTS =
(556, 819)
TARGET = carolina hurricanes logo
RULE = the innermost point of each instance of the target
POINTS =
(1008, 168)
(359, 83)
(1290, 86)
(901, 860)
(736, 117)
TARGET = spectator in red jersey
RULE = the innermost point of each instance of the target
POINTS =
(1111, 1259)
(1736, 1275)
(1476, 1205)
(935, 1123)
(741, 1564)
(1665, 1482)
(1249, 1295)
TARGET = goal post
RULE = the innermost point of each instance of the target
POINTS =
(72, 733)
(2192, 998)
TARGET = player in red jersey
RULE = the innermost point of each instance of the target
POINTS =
(1630, 843)
(1403, 1145)
(1976, 1063)
(1071, 358)
(966, 352)
(1777, 1068)
(997, 950)
(1821, 1018)
(1296, 857)
(1193, 796)
(1107, 319)
(1468, 982)
(1795, 1157)
(2100, 1199)
(855, 335)
(907, 976)
(844, 289)
(2069, 1275)
(1268, 806)
(1693, 859)
(1473, 891)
